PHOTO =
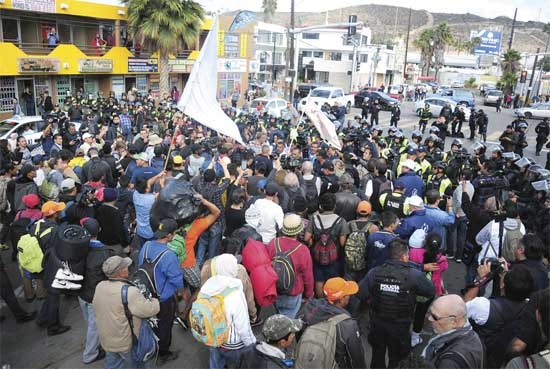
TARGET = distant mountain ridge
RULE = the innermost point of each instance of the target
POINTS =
(388, 22)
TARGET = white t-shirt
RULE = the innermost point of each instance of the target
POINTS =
(271, 219)
(478, 310)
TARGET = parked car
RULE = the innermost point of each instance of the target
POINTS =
(485, 87)
(535, 111)
(396, 92)
(304, 88)
(457, 84)
(459, 95)
(330, 95)
(437, 103)
(29, 127)
(271, 106)
(384, 99)
(491, 97)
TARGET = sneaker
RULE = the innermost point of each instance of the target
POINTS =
(58, 329)
(65, 285)
(169, 356)
(415, 339)
(450, 257)
(458, 260)
(66, 274)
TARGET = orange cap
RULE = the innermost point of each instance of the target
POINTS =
(337, 288)
(364, 208)
(51, 207)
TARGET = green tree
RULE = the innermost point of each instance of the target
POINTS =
(510, 65)
(269, 7)
(442, 37)
(163, 26)
(424, 42)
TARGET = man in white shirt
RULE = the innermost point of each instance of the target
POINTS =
(271, 214)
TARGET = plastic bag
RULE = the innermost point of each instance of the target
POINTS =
(175, 201)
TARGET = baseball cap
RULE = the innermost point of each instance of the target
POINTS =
(91, 225)
(166, 226)
(328, 165)
(177, 159)
(409, 164)
(337, 288)
(415, 201)
(141, 156)
(399, 183)
(67, 184)
(114, 264)
(31, 200)
(279, 326)
(87, 135)
(364, 208)
(51, 207)
(271, 189)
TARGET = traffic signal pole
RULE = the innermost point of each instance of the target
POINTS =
(532, 78)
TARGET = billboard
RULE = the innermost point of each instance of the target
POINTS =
(490, 42)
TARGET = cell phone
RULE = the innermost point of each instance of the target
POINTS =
(244, 164)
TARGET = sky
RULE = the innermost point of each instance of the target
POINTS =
(535, 10)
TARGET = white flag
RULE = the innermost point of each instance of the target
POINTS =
(198, 99)
(326, 128)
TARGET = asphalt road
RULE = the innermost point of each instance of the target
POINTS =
(27, 346)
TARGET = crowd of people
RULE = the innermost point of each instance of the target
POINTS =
(325, 237)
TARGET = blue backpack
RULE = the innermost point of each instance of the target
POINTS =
(146, 346)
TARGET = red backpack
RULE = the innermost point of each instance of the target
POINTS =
(325, 249)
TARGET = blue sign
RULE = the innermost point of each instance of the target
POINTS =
(490, 42)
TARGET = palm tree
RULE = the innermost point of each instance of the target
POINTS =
(510, 65)
(424, 42)
(161, 25)
(269, 7)
(442, 37)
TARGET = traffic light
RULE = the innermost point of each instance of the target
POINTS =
(523, 76)
(352, 30)
(357, 65)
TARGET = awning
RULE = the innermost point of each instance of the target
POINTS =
(426, 78)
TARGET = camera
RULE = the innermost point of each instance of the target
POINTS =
(493, 181)
(289, 163)
(497, 266)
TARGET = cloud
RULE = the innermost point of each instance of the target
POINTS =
(535, 10)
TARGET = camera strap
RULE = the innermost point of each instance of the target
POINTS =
(492, 248)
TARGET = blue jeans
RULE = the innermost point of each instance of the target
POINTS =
(219, 357)
(288, 305)
(91, 347)
(209, 241)
(119, 360)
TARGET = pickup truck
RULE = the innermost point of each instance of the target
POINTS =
(330, 95)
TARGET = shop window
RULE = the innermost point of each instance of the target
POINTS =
(318, 54)
(310, 36)
(141, 85)
(228, 83)
(7, 93)
(335, 56)
(231, 46)
(91, 86)
(10, 30)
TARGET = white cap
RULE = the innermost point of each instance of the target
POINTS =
(409, 164)
(86, 135)
(415, 201)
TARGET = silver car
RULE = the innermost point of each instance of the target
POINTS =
(535, 111)
(492, 96)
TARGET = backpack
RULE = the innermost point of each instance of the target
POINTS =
(48, 190)
(355, 248)
(146, 346)
(312, 197)
(29, 253)
(178, 243)
(207, 318)
(284, 267)
(511, 242)
(144, 277)
(4, 203)
(325, 250)
(384, 187)
(317, 346)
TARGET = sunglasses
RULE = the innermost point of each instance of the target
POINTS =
(435, 318)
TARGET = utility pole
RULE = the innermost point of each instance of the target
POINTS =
(274, 35)
(513, 28)
(407, 46)
(532, 78)
(292, 71)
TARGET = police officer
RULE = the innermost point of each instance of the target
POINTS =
(425, 165)
(482, 123)
(395, 114)
(472, 122)
(439, 181)
(522, 140)
(425, 115)
(392, 289)
(542, 130)
(395, 201)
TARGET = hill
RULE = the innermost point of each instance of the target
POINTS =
(388, 22)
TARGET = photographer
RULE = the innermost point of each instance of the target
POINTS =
(492, 318)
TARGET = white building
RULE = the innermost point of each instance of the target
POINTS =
(269, 64)
(324, 56)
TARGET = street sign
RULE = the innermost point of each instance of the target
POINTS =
(490, 42)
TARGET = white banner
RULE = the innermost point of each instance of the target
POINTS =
(327, 129)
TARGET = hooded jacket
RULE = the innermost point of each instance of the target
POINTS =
(349, 348)
(236, 310)
(417, 220)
